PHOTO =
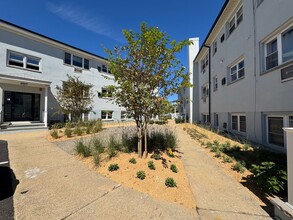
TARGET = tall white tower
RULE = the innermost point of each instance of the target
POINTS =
(192, 52)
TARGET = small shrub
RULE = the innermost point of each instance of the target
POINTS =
(78, 131)
(174, 168)
(214, 149)
(82, 149)
(113, 147)
(169, 182)
(156, 156)
(151, 165)
(179, 120)
(246, 147)
(132, 160)
(170, 152)
(68, 132)
(216, 143)
(140, 175)
(227, 159)
(54, 133)
(88, 129)
(218, 154)
(113, 167)
(209, 144)
(270, 177)
(96, 125)
(239, 166)
(97, 159)
(98, 145)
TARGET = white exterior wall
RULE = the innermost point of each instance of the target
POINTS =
(259, 93)
(54, 70)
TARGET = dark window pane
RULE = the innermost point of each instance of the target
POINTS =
(242, 123)
(86, 64)
(104, 68)
(291, 121)
(67, 58)
(275, 131)
(272, 60)
(241, 73)
(234, 122)
(287, 45)
(77, 61)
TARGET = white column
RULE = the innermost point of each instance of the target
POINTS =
(289, 145)
(46, 107)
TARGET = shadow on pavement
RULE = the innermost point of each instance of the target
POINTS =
(8, 182)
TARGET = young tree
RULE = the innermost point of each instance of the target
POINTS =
(75, 97)
(146, 71)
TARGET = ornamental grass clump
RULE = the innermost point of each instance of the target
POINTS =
(82, 149)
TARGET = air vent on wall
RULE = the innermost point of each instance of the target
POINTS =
(287, 73)
(77, 70)
(224, 81)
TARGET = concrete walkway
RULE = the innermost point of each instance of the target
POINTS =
(54, 185)
(217, 195)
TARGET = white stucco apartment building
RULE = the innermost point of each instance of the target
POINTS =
(32, 65)
(243, 72)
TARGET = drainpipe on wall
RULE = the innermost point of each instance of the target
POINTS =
(210, 117)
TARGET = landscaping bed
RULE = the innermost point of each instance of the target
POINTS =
(161, 174)
(262, 171)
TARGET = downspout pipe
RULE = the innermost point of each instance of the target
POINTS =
(210, 64)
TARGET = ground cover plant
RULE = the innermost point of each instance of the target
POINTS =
(113, 167)
(170, 182)
(132, 160)
(140, 175)
(259, 166)
(151, 165)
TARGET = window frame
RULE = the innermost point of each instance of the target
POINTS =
(107, 114)
(238, 117)
(205, 92)
(279, 38)
(24, 62)
(215, 83)
(286, 123)
(235, 70)
(83, 66)
(204, 63)
(235, 20)
(215, 47)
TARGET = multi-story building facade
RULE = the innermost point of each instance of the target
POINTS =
(32, 65)
(243, 72)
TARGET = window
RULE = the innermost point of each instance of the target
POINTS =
(215, 83)
(216, 120)
(290, 121)
(107, 115)
(235, 20)
(205, 92)
(104, 69)
(215, 48)
(67, 58)
(237, 71)
(77, 61)
(222, 38)
(279, 49)
(106, 93)
(204, 63)
(272, 54)
(16, 59)
(238, 122)
(205, 118)
(23, 61)
(275, 131)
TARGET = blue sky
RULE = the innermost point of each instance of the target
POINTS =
(91, 24)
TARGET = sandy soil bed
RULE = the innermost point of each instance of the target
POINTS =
(154, 183)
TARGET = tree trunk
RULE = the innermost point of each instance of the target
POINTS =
(139, 143)
(145, 154)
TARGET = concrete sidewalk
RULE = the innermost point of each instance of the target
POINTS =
(217, 195)
(54, 185)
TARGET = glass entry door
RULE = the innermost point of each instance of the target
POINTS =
(20, 106)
